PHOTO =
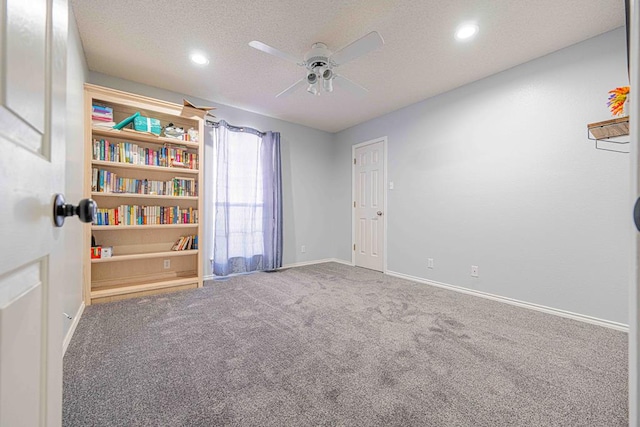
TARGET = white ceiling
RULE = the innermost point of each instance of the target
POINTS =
(149, 41)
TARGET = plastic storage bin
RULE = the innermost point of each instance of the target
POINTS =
(147, 124)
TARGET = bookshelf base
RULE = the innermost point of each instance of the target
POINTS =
(108, 291)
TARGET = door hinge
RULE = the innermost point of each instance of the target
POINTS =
(354, 161)
(354, 204)
(354, 246)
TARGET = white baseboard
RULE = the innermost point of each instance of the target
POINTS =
(341, 261)
(318, 261)
(562, 313)
(72, 329)
(296, 264)
(303, 263)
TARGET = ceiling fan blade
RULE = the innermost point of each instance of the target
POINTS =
(344, 83)
(363, 45)
(292, 88)
(273, 51)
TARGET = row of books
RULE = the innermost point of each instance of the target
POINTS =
(102, 116)
(128, 152)
(185, 243)
(146, 215)
(109, 182)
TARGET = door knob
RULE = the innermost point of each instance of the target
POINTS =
(379, 213)
(86, 210)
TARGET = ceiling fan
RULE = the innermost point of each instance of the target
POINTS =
(320, 63)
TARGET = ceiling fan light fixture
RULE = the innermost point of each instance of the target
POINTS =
(327, 74)
(312, 78)
(327, 85)
(467, 31)
(312, 89)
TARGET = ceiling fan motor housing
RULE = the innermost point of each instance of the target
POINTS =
(317, 57)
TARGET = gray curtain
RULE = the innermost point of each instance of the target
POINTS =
(247, 200)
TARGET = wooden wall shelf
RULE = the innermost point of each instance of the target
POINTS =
(609, 132)
(609, 128)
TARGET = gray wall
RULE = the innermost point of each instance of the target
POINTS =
(307, 159)
(500, 174)
(77, 73)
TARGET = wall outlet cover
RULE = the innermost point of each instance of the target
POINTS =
(474, 271)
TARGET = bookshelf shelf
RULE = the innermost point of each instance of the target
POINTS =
(167, 254)
(140, 227)
(131, 135)
(164, 169)
(140, 196)
(141, 263)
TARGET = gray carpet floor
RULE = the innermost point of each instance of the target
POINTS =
(333, 345)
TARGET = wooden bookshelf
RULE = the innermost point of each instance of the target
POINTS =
(142, 262)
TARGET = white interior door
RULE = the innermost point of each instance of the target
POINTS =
(33, 55)
(369, 205)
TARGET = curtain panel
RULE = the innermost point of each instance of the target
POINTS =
(246, 200)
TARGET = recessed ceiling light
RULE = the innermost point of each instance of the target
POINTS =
(199, 59)
(466, 31)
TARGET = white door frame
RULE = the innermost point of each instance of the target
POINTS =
(634, 282)
(382, 139)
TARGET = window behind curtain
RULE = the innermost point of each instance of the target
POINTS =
(246, 196)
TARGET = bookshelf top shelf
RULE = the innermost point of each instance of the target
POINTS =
(132, 135)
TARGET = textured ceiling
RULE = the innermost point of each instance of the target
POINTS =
(149, 41)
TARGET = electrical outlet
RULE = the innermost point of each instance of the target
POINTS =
(430, 263)
(303, 249)
(167, 263)
(474, 271)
